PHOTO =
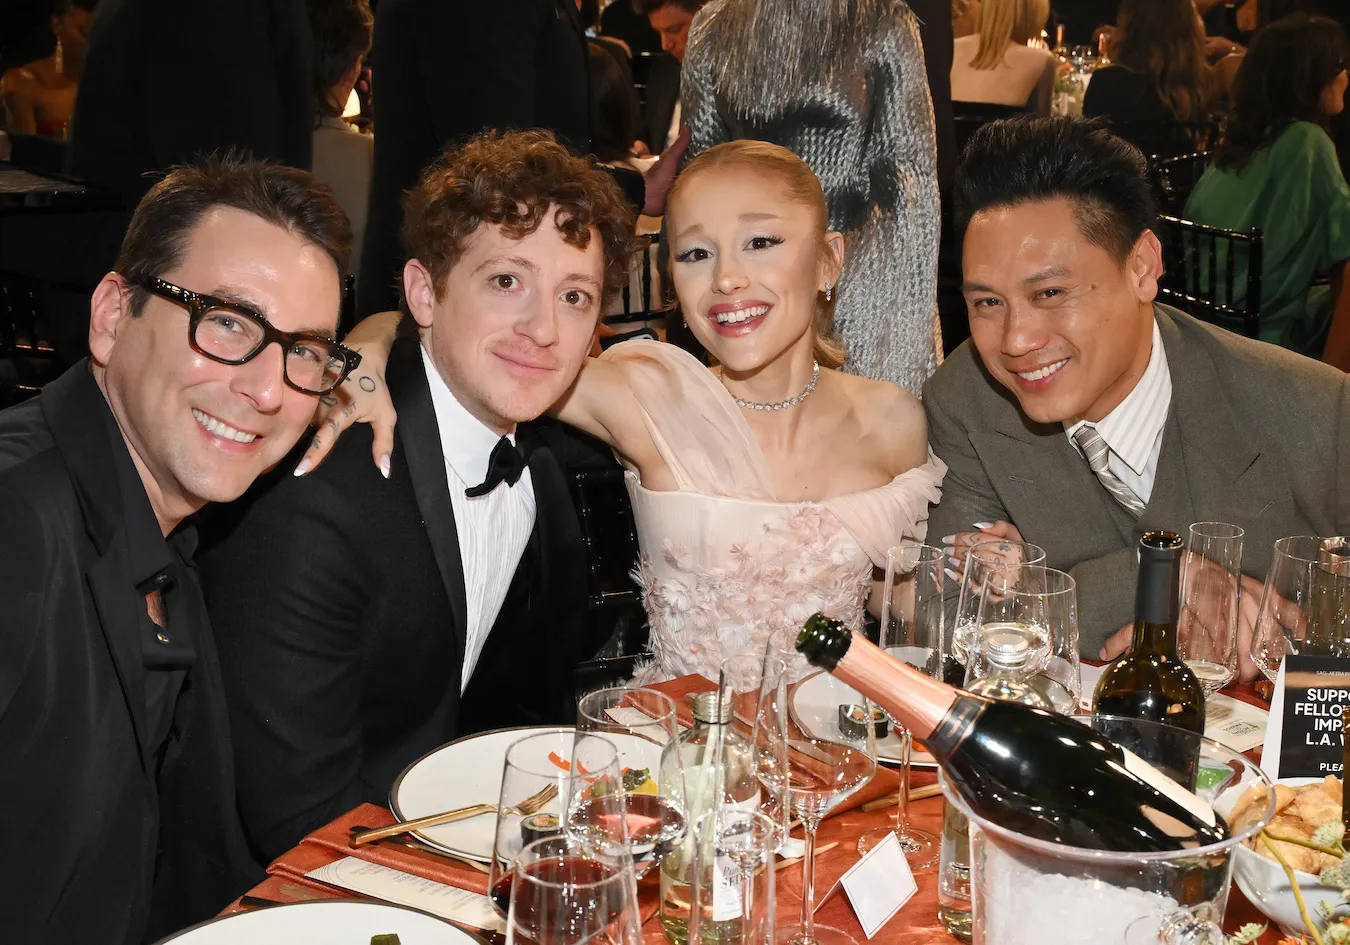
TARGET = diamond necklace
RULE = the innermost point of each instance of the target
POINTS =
(782, 404)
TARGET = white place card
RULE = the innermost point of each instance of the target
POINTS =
(878, 885)
(405, 889)
(1270, 751)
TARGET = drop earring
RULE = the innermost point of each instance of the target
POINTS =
(829, 292)
(59, 59)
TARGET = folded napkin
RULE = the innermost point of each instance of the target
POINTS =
(330, 843)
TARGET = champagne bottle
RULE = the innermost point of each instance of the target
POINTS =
(1151, 682)
(1040, 774)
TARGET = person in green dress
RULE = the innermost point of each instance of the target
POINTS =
(1276, 170)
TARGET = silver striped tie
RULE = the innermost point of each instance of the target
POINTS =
(1095, 449)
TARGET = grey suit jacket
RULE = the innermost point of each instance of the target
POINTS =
(1256, 436)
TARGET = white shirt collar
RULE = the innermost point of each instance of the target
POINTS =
(466, 441)
(1132, 428)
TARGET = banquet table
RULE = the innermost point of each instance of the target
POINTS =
(915, 924)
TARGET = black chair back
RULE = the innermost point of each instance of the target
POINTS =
(1174, 178)
(1213, 274)
(642, 305)
(614, 599)
(969, 117)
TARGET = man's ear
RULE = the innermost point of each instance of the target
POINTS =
(109, 308)
(1146, 267)
(420, 290)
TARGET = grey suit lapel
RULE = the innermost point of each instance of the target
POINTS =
(1210, 469)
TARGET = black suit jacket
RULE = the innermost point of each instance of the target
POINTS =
(340, 606)
(446, 71)
(102, 850)
(663, 91)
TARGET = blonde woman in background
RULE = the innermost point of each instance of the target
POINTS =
(995, 65)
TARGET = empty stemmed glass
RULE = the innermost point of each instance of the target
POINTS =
(1305, 603)
(911, 622)
(822, 766)
(1211, 587)
(642, 723)
(564, 891)
(981, 558)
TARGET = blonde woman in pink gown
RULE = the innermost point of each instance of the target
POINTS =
(770, 487)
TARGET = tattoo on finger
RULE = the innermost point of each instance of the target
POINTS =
(316, 442)
(348, 410)
(328, 400)
(333, 424)
(367, 384)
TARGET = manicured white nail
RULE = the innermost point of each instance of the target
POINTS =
(983, 524)
(384, 465)
(301, 469)
(956, 562)
(949, 540)
(951, 574)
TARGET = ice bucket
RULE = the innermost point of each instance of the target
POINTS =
(1026, 891)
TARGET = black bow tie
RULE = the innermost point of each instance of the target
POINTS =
(504, 465)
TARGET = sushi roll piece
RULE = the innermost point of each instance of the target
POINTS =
(538, 826)
(853, 721)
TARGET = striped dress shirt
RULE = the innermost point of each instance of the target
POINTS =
(493, 529)
(1134, 429)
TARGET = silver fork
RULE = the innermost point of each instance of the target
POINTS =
(530, 805)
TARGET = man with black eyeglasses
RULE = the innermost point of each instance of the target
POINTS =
(210, 345)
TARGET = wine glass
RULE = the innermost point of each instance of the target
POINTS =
(981, 558)
(911, 631)
(1305, 603)
(1039, 604)
(643, 722)
(1211, 583)
(579, 768)
(734, 886)
(822, 766)
(564, 891)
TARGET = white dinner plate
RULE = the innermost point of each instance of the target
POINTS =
(324, 922)
(469, 771)
(814, 704)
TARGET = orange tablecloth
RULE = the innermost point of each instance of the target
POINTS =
(915, 924)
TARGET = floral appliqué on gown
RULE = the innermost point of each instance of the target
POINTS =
(723, 564)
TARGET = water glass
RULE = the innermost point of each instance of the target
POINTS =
(734, 885)
(1042, 604)
(566, 892)
(981, 558)
(642, 722)
(1211, 587)
(911, 631)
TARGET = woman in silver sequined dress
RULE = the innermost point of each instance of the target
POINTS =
(842, 84)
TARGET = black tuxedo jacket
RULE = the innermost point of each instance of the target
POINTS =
(102, 847)
(339, 604)
(663, 91)
(448, 70)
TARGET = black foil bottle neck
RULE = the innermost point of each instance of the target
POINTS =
(1157, 597)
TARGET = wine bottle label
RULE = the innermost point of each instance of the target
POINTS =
(1150, 775)
(726, 890)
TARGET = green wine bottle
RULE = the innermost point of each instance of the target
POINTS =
(1150, 681)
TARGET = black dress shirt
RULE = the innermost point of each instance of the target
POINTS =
(168, 652)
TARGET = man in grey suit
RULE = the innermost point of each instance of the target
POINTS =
(1082, 413)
